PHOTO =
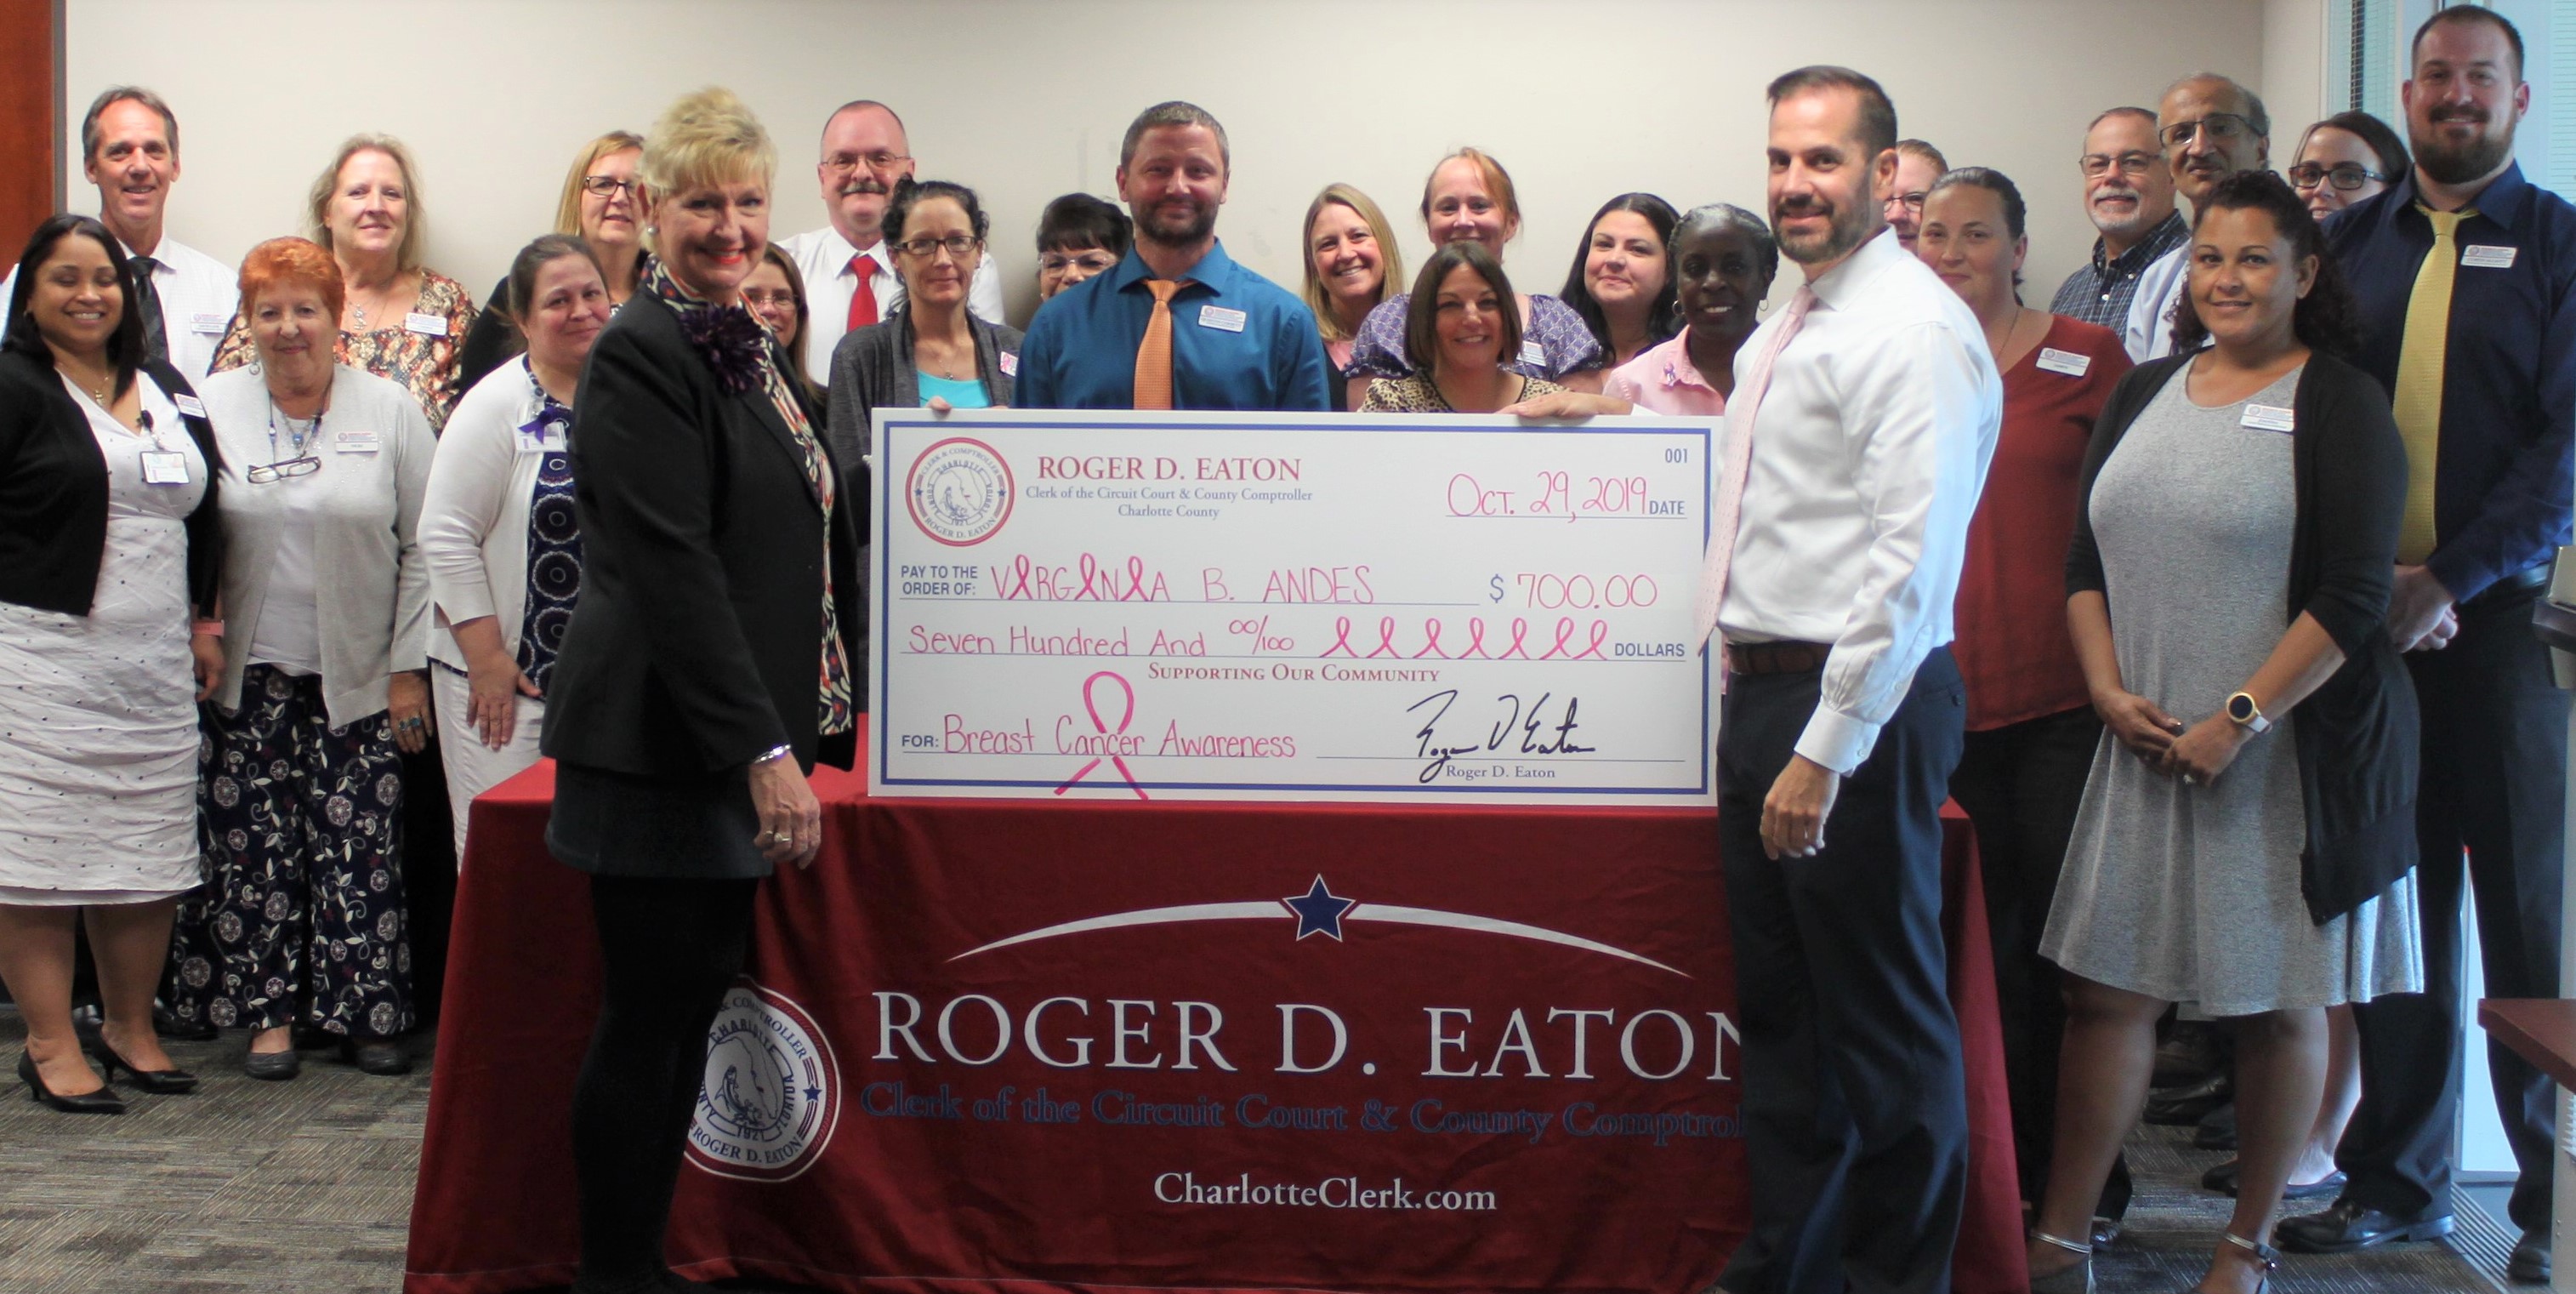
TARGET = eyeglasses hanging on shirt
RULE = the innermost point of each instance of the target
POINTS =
(301, 439)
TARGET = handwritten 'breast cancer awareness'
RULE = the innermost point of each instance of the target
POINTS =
(1101, 726)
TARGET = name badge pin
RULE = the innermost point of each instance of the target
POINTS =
(164, 467)
(2265, 417)
(190, 405)
(1532, 353)
(354, 442)
(426, 325)
(2479, 256)
(1218, 317)
(2067, 362)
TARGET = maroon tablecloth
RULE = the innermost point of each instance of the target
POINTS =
(1166, 1045)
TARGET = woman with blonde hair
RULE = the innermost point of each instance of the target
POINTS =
(1352, 266)
(398, 320)
(711, 662)
(1470, 198)
(598, 205)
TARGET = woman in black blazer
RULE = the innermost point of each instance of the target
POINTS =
(707, 668)
(108, 558)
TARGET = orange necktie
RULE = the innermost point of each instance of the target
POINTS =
(1154, 356)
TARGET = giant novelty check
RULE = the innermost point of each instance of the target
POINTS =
(1289, 606)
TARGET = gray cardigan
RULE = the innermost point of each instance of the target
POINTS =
(872, 368)
(371, 594)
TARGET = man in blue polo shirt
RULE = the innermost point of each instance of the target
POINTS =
(1177, 325)
(2466, 277)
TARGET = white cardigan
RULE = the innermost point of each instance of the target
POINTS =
(474, 523)
(371, 588)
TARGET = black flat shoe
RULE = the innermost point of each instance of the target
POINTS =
(2222, 1179)
(2184, 1106)
(273, 1066)
(2530, 1262)
(103, 1101)
(383, 1057)
(159, 1082)
(172, 1027)
(2346, 1227)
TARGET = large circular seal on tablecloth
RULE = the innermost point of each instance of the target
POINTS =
(772, 1091)
(959, 491)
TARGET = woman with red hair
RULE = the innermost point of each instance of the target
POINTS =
(325, 603)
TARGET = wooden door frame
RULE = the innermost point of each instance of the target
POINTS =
(31, 118)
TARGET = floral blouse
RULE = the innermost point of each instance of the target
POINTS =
(1564, 344)
(421, 359)
(1416, 394)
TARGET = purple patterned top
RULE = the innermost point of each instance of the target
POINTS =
(1566, 344)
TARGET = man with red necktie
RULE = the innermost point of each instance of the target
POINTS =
(849, 273)
(1863, 420)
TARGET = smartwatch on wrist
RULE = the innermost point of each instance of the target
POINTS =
(2242, 711)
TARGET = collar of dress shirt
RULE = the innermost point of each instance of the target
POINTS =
(2499, 202)
(1678, 369)
(158, 262)
(1209, 273)
(1846, 281)
(2168, 234)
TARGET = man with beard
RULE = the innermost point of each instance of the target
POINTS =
(1863, 420)
(1177, 324)
(130, 150)
(2465, 273)
(2129, 195)
(848, 270)
(2210, 128)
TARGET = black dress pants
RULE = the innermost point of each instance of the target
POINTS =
(2022, 785)
(1854, 1105)
(669, 950)
(2495, 784)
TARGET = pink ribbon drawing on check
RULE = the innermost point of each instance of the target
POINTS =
(1101, 726)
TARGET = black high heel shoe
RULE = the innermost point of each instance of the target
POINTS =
(159, 1082)
(103, 1101)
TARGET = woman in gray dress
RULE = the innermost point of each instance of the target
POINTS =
(2249, 822)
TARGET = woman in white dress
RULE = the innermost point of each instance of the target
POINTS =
(498, 529)
(108, 551)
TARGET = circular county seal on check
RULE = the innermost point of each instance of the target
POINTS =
(960, 491)
(772, 1091)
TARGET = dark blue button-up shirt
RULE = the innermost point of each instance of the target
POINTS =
(1239, 341)
(2501, 494)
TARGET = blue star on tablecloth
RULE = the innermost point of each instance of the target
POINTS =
(1319, 911)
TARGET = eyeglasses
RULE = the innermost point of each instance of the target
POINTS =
(604, 185)
(956, 245)
(2346, 176)
(763, 298)
(844, 163)
(2222, 127)
(2097, 165)
(1093, 261)
(267, 472)
(1910, 201)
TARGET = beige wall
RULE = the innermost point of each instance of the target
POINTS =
(2294, 71)
(1025, 99)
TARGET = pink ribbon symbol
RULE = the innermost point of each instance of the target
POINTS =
(1431, 640)
(1342, 638)
(1102, 727)
(1385, 639)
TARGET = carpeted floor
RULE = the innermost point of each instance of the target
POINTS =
(305, 1188)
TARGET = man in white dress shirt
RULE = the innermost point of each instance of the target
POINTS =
(849, 273)
(2210, 128)
(130, 150)
(1871, 406)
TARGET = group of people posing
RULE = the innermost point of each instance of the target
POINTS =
(2204, 591)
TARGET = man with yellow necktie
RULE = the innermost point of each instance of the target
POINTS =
(1177, 324)
(2466, 277)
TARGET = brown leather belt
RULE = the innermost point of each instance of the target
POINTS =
(1776, 657)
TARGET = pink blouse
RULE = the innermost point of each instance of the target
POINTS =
(1662, 380)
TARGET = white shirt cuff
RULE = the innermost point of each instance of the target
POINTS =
(1837, 741)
